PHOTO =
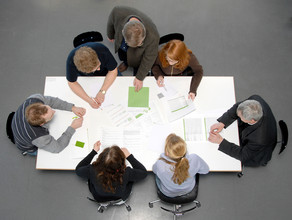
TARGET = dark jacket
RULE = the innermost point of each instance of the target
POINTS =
(140, 57)
(257, 141)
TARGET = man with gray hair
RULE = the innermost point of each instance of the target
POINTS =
(257, 132)
(136, 40)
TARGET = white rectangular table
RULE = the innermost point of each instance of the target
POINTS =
(215, 94)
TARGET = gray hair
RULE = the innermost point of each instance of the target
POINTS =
(134, 33)
(250, 109)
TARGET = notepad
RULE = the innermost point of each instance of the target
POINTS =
(138, 99)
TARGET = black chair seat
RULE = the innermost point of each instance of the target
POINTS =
(173, 36)
(183, 199)
(285, 135)
(8, 127)
(91, 36)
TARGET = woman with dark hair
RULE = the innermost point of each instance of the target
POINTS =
(108, 177)
(175, 59)
(176, 170)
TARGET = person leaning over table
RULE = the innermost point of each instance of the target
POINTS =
(91, 59)
(257, 132)
(175, 59)
(136, 40)
(108, 177)
(176, 170)
(30, 124)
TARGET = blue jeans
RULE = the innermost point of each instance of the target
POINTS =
(32, 153)
(119, 73)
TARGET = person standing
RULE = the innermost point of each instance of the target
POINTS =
(135, 39)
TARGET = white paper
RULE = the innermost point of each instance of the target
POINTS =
(179, 107)
(157, 137)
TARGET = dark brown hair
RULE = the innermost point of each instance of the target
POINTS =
(110, 167)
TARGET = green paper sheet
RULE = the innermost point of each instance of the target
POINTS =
(79, 144)
(138, 99)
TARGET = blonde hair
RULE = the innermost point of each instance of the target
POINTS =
(176, 149)
(86, 59)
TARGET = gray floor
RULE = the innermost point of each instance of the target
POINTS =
(248, 39)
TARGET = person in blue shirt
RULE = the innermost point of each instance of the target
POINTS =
(91, 59)
(175, 170)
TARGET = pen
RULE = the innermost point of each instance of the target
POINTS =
(96, 102)
(160, 82)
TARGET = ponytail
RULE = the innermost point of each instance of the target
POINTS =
(181, 171)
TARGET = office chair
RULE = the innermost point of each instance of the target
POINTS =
(8, 127)
(91, 36)
(104, 205)
(9, 131)
(285, 135)
(173, 36)
(179, 201)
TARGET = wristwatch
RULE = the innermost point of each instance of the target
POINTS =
(102, 91)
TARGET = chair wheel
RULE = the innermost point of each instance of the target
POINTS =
(198, 205)
(129, 208)
(150, 205)
(100, 210)
(240, 175)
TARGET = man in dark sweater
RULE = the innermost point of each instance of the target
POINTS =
(29, 124)
(136, 40)
(257, 132)
(91, 59)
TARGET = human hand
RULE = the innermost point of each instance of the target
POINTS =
(125, 151)
(77, 123)
(192, 96)
(78, 111)
(96, 146)
(111, 40)
(93, 103)
(99, 98)
(160, 81)
(215, 138)
(138, 84)
(217, 128)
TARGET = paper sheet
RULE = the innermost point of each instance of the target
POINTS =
(179, 107)
(138, 99)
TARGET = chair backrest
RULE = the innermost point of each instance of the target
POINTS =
(91, 36)
(8, 127)
(173, 36)
(285, 135)
(183, 199)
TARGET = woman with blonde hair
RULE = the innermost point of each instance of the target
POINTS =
(175, 59)
(108, 177)
(176, 169)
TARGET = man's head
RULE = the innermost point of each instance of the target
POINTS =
(250, 111)
(86, 60)
(134, 33)
(38, 114)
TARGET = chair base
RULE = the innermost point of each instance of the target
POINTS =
(104, 205)
(177, 208)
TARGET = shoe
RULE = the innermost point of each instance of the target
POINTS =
(122, 67)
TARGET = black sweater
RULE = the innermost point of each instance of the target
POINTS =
(85, 170)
